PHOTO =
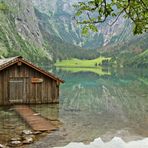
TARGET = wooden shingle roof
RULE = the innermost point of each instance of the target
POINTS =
(4, 63)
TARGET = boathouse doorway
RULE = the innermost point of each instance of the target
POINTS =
(17, 90)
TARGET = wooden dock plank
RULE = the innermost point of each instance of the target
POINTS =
(35, 121)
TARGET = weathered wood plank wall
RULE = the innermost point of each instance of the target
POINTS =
(44, 92)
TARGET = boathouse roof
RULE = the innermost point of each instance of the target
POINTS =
(7, 62)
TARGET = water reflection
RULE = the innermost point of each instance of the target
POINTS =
(91, 105)
(114, 143)
(49, 111)
(95, 105)
(99, 70)
(104, 106)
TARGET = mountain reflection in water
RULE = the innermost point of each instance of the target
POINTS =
(106, 106)
(114, 143)
(92, 105)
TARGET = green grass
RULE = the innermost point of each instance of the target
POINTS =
(81, 63)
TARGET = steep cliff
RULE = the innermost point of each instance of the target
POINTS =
(61, 12)
(24, 30)
(19, 31)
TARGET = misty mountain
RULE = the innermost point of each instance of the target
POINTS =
(61, 24)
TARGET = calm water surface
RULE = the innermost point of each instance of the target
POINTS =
(10, 124)
(113, 104)
(109, 104)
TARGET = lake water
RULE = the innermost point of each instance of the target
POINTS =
(100, 103)
(93, 103)
(10, 124)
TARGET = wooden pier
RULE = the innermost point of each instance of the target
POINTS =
(34, 120)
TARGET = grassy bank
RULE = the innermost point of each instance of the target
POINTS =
(81, 63)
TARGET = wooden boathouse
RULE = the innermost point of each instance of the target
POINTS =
(21, 82)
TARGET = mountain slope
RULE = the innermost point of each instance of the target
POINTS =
(130, 53)
(61, 24)
(60, 48)
(140, 60)
(43, 31)
(25, 31)
(17, 34)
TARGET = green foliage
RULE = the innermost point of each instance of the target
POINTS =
(85, 30)
(93, 28)
(97, 11)
(4, 7)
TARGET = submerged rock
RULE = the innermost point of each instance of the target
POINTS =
(28, 139)
(1, 146)
(16, 139)
(15, 143)
(27, 132)
(36, 132)
(36, 114)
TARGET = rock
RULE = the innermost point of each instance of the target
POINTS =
(28, 136)
(27, 132)
(65, 134)
(1, 146)
(15, 143)
(36, 132)
(36, 114)
(16, 139)
(29, 139)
